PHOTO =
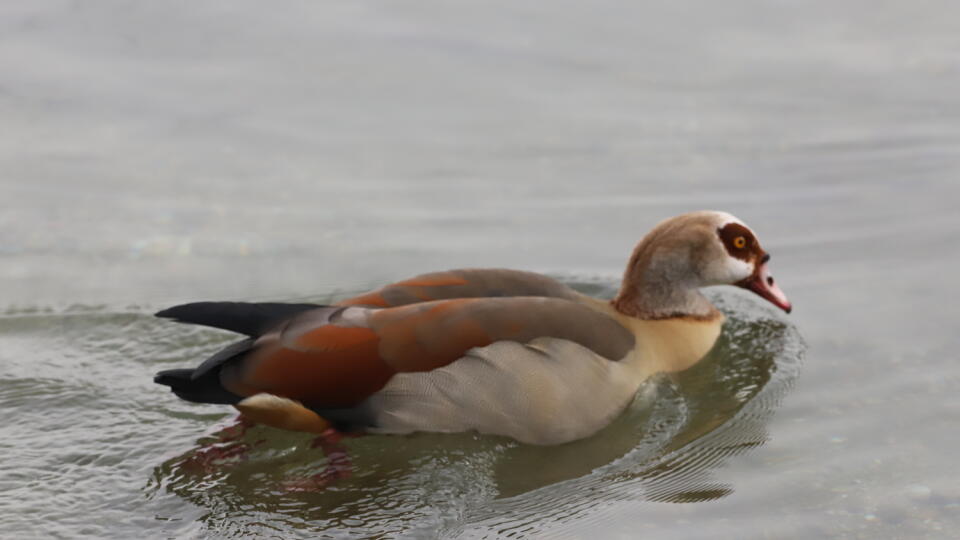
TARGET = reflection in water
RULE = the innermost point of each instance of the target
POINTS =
(664, 448)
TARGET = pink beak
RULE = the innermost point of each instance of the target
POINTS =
(761, 282)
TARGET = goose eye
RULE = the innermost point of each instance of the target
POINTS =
(740, 242)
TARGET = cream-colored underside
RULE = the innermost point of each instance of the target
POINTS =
(548, 391)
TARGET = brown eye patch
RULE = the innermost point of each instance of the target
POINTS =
(738, 240)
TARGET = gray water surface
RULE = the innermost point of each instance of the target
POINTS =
(155, 153)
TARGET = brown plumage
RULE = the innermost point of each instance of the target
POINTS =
(493, 350)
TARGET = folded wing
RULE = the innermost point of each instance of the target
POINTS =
(331, 359)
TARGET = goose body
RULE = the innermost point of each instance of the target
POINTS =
(496, 351)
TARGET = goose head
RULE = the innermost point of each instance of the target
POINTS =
(684, 253)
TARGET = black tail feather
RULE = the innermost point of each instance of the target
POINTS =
(247, 318)
(202, 385)
(174, 378)
(201, 390)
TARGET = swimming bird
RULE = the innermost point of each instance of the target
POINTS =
(496, 351)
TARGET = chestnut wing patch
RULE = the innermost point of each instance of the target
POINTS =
(328, 366)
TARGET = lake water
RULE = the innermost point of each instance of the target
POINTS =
(156, 153)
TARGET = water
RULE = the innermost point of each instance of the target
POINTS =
(158, 153)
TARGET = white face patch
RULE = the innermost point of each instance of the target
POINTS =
(726, 269)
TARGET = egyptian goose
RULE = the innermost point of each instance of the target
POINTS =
(501, 352)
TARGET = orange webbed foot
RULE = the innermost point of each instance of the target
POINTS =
(339, 466)
(226, 449)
